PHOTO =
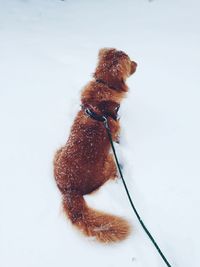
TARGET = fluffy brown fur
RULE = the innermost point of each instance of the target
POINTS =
(85, 163)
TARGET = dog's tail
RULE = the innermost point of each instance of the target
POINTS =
(104, 227)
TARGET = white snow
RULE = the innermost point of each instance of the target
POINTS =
(48, 50)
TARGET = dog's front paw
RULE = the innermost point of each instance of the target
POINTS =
(117, 140)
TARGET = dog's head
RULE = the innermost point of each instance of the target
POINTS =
(114, 67)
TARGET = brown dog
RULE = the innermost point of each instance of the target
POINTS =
(85, 162)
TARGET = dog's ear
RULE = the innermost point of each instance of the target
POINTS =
(103, 52)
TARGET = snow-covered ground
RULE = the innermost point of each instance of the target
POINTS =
(48, 50)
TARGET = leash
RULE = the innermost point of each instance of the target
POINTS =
(104, 119)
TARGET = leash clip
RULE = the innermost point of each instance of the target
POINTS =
(95, 116)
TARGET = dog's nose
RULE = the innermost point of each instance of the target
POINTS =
(134, 63)
(133, 67)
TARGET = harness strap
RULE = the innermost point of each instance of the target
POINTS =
(99, 117)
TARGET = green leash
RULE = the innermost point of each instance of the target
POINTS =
(103, 119)
(130, 199)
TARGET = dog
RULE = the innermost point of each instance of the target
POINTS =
(85, 162)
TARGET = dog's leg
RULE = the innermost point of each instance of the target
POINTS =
(115, 131)
(110, 170)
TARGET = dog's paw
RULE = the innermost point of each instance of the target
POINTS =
(117, 140)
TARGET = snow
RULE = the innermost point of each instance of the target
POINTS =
(48, 51)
